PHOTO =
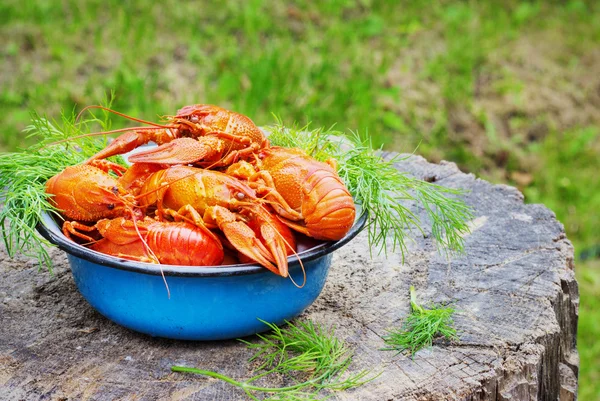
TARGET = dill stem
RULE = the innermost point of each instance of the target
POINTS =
(413, 301)
(263, 374)
(244, 385)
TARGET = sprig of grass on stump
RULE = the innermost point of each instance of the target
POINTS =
(421, 327)
(306, 354)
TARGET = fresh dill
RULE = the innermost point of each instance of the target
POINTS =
(421, 327)
(23, 176)
(381, 189)
(306, 354)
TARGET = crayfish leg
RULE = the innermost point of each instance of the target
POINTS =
(295, 226)
(70, 229)
(234, 156)
(108, 166)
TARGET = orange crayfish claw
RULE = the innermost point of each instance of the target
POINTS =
(131, 140)
(244, 240)
(182, 151)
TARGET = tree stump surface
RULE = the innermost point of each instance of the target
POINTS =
(514, 291)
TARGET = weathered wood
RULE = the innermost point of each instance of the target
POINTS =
(514, 290)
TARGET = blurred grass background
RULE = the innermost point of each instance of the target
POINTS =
(508, 90)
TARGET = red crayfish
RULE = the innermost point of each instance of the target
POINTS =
(202, 134)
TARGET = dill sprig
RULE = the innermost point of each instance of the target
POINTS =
(381, 189)
(306, 354)
(421, 327)
(23, 176)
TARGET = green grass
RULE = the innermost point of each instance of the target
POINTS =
(566, 180)
(588, 275)
(503, 88)
(332, 62)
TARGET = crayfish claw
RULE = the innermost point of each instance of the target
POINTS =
(243, 238)
(181, 151)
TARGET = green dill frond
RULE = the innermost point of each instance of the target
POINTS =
(23, 177)
(421, 327)
(307, 354)
(382, 190)
(301, 347)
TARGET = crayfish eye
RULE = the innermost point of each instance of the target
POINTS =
(111, 206)
(240, 195)
(115, 190)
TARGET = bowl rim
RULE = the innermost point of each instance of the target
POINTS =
(49, 229)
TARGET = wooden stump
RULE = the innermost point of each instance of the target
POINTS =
(514, 291)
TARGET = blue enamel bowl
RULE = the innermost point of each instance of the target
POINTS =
(203, 303)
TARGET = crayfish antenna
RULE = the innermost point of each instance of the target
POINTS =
(303, 272)
(86, 108)
(100, 133)
(150, 251)
(153, 125)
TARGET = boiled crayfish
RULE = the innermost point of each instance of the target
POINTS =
(87, 192)
(160, 209)
(202, 134)
(308, 195)
(148, 240)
